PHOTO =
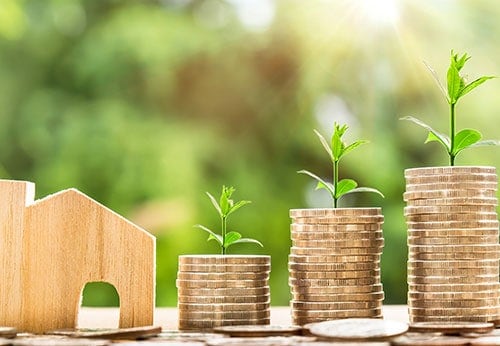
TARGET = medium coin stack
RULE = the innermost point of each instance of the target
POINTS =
(223, 290)
(334, 264)
(453, 244)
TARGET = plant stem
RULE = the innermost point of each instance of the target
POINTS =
(223, 235)
(452, 134)
(335, 181)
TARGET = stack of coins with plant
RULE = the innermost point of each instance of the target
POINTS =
(453, 225)
(222, 290)
(334, 261)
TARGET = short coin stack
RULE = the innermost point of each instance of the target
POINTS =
(334, 264)
(453, 244)
(222, 290)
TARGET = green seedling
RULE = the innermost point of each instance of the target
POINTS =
(225, 207)
(337, 149)
(457, 88)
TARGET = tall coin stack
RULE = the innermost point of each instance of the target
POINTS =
(334, 264)
(453, 244)
(222, 290)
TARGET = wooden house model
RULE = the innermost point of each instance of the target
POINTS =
(51, 248)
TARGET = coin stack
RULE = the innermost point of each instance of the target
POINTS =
(453, 244)
(334, 264)
(222, 290)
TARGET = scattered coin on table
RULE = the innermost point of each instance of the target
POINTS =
(358, 329)
(418, 339)
(259, 331)
(120, 333)
(261, 341)
(8, 332)
(50, 340)
(174, 335)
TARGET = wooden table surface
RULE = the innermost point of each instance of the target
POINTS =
(167, 317)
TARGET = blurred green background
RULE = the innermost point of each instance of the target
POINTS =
(145, 105)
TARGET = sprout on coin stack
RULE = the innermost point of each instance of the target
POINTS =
(334, 261)
(222, 290)
(452, 224)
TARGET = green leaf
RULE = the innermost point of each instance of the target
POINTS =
(337, 143)
(486, 142)
(212, 234)
(353, 146)
(460, 62)
(344, 186)
(324, 184)
(441, 138)
(453, 78)
(366, 189)
(464, 139)
(325, 144)
(225, 199)
(248, 240)
(474, 84)
(436, 78)
(215, 204)
(237, 206)
(231, 237)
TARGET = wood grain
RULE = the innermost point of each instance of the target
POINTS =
(56, 245)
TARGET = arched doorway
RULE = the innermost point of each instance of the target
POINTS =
(99, 295)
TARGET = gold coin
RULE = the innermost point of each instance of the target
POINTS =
(429, 296)
(451, 327)
(301, 251)
(446, 209)
(458, 318)
(452, 304)
(452, 279)
(478, 287)
(231, 291)
(339, 220)
(334, 244)
(227, 315)
(453, 272)
(196, 299)
(453, 201)
(329, 267)
(195, 276)
(225, 259)
(306, 321)
(449, 170)
(452, 233)
(337, 314)
(299, 305)
(358, 329)
(453, 264)
(224, 268)
(331, 212)
(452, 186)
(334, 274)
(204, 324)
(479, 240)
(335, 235)
(464, 193)
(354, 297)
(415, 255)
(455, 178)
(190, 307)
(334, 259)
(334, 282)
(334, 228)
(329, 290)
(454, 248)
(452, 217)
(481, 311)
(477, 224)
(221, 283)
